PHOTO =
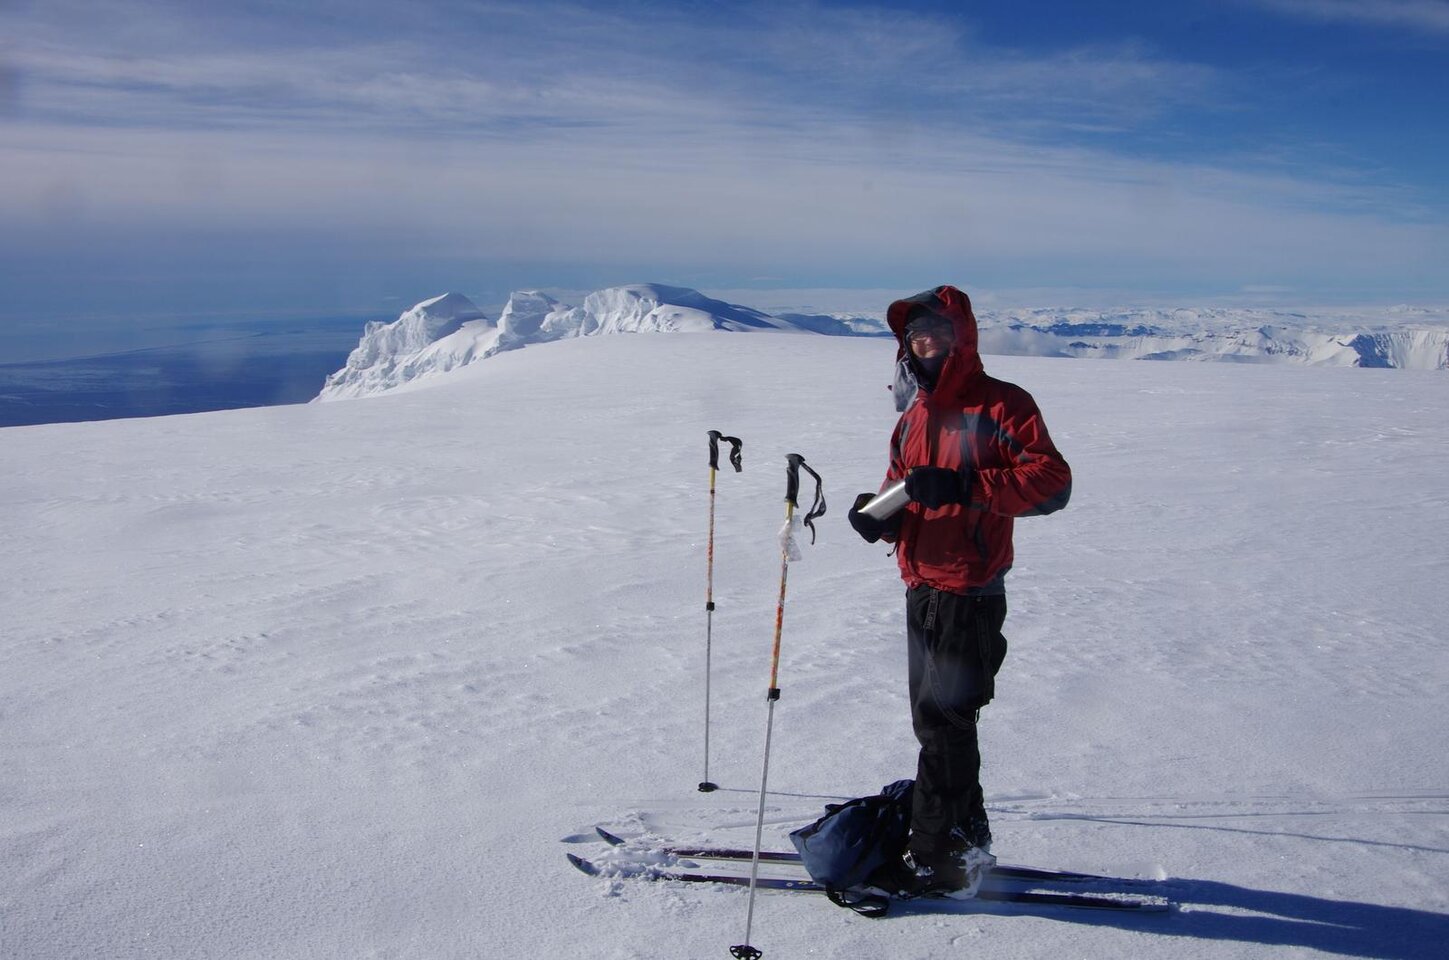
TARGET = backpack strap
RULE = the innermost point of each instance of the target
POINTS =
(872, 905)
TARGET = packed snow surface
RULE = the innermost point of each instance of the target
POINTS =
(347, 680)
(390, 355)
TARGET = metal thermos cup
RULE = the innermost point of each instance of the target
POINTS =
(888, 502)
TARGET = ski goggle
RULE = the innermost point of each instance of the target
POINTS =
(919, 332)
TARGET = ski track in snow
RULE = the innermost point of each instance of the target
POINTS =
(335, 680)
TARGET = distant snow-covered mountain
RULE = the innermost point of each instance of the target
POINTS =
(433, 337)
(448, 332)
(1405, 338)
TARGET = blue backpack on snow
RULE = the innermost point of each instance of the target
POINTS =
(853, 840)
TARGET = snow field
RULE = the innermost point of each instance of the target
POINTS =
(336, 680)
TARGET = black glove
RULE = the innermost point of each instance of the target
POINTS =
(869, 528)
(934, 487)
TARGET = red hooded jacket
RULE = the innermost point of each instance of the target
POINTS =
(969, 419)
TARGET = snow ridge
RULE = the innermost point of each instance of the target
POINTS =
(655, 308)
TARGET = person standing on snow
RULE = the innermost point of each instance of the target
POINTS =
(974, 454)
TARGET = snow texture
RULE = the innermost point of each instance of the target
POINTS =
(348, 680)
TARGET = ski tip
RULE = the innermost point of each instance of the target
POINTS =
(587, 867)
(708, 787)
(608, 837)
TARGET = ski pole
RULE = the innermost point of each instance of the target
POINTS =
(736, 460)
(794, 464)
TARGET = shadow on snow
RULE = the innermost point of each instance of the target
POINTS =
(1267, 917)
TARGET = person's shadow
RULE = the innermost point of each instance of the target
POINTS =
(1276, 920)
(1294, 919)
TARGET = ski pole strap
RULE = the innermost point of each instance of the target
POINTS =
(796, 463)
(736, 458)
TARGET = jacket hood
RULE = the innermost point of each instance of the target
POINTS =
(963, 364)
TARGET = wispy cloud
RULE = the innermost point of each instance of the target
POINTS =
(1420, 15)
(820, 139)
(553, 64)
(724, 201)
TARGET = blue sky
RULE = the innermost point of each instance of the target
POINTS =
(325, 156)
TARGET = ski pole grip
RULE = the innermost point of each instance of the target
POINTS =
(792, 478)
(795, 463)
(736, 458)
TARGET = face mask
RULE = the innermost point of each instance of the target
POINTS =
(930, 368)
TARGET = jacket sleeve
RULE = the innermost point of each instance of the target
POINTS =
(1036, 479)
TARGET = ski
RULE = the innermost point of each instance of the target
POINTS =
(643, 872)
(1001, 870)
(1033, 897)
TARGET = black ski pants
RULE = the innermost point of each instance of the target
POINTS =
(955, 648)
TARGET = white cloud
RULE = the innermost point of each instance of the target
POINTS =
(796, 136)
(564, 64)
(725, 201)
